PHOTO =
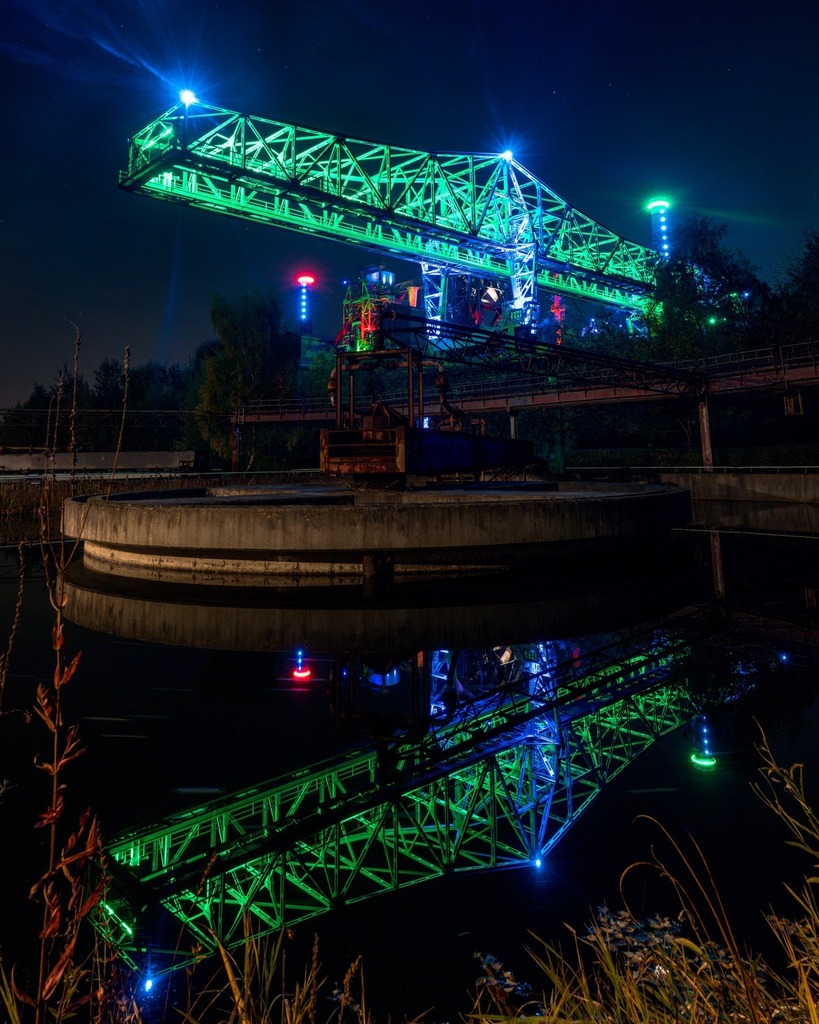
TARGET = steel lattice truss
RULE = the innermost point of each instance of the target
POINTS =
(496, 786)
(475, 214)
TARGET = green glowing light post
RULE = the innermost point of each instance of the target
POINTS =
(702, 756)
(658, 208)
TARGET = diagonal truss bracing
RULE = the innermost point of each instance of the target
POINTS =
(473, 213)
(496, 786)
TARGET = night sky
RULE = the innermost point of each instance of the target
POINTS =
(709, 103)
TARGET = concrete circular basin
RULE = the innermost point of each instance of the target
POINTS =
(274, 534)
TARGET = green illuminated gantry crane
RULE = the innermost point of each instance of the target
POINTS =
(465, 217)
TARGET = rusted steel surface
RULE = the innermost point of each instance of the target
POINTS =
(413, 451)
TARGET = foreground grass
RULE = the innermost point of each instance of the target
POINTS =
(692, 970)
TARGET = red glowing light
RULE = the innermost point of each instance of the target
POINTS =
(301, 673)
(305, 279)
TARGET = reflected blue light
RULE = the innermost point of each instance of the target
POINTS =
(703, 756)
(301, 671)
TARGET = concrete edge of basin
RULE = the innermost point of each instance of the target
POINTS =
(202, 534)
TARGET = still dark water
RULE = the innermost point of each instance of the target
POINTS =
(168, 726)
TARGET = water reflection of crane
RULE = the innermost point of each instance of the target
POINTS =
(494, 780)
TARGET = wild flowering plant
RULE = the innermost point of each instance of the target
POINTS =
(693, 969)
(60, 986)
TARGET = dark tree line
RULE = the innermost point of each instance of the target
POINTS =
(707, 301)
(154, 406)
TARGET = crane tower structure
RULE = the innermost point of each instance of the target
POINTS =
(474, 221)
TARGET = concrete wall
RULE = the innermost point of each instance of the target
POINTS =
(799, 487)
(771, 502)
(40, 462)
(332, 529)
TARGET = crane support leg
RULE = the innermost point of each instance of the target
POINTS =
(705, 434)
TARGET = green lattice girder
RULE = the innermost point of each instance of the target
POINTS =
(473, 213)
(496, 788)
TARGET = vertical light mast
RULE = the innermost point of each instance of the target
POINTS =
(660, 219)
(305, 283)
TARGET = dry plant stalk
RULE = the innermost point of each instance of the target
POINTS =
(63, 986)
(126, 377)
(5, 656)
(783, 792)
(252, 986)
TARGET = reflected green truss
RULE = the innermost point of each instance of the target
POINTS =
(474, 214)
(497, 787)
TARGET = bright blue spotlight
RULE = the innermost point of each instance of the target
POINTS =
(506, 155)
(149, 984)
(538, 862)
(188, 96)
(784, 657)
